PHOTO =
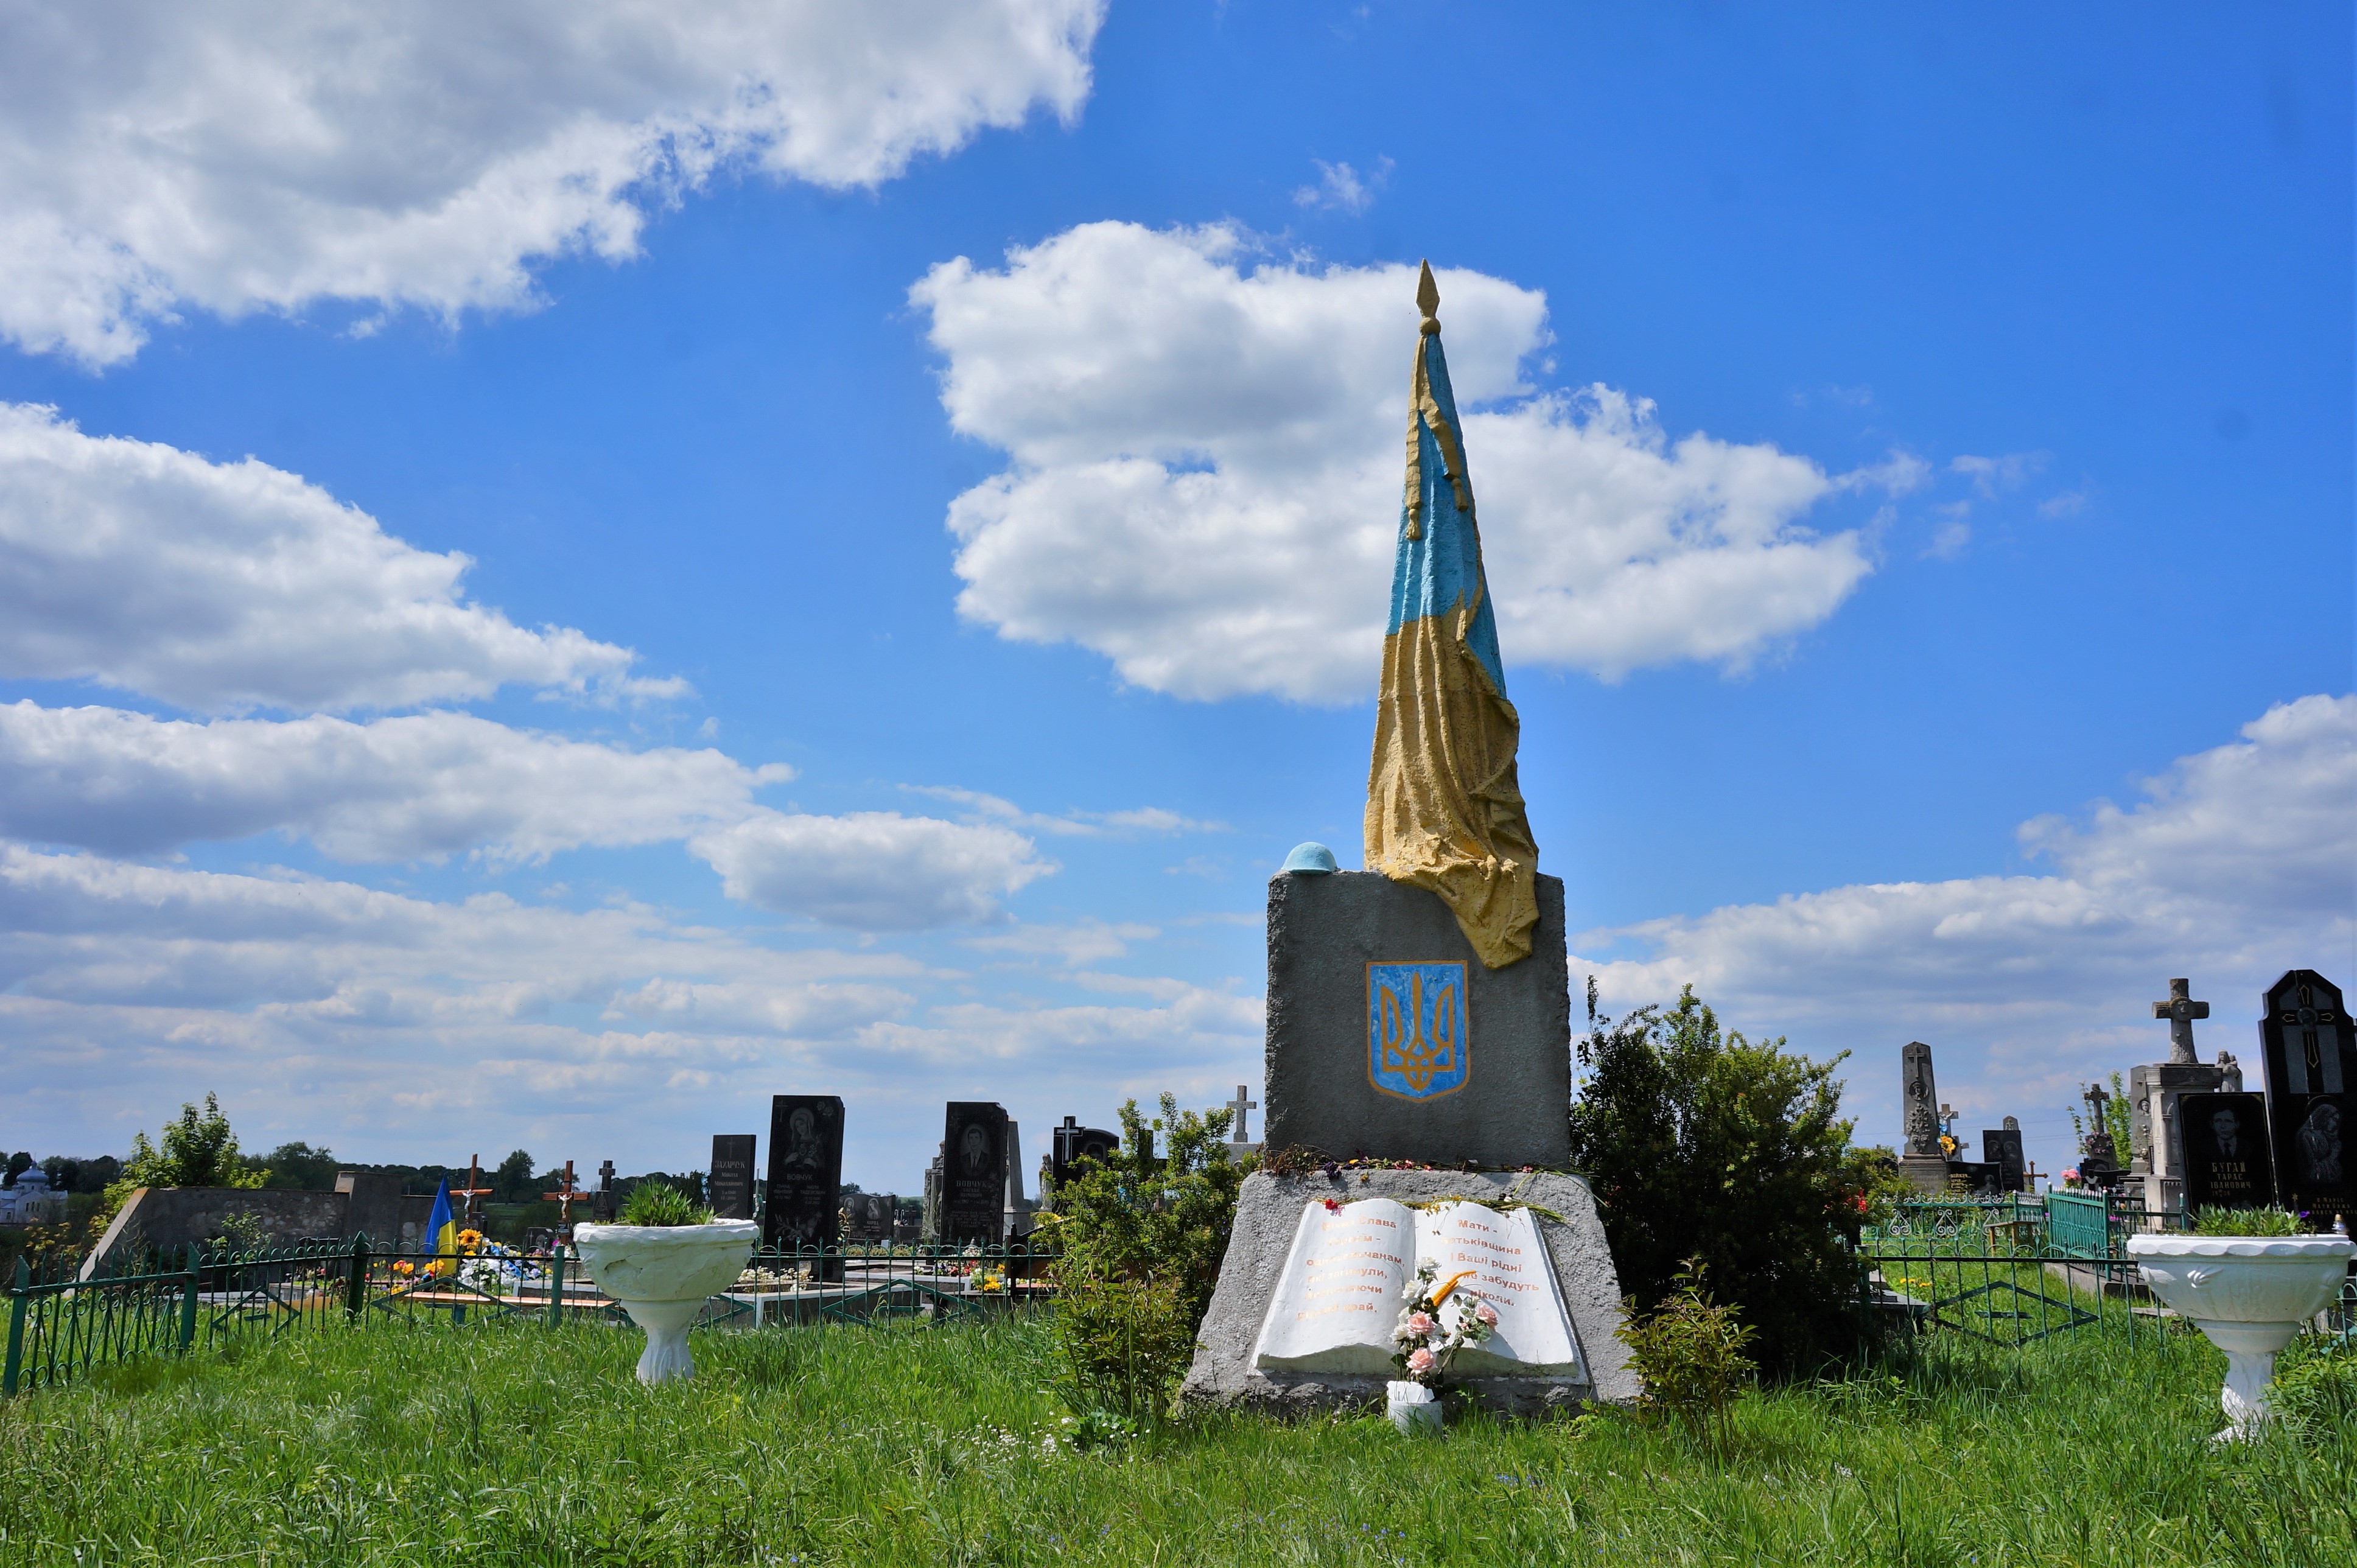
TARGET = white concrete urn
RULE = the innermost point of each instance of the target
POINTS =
(663, 1274)
(2250, 1295)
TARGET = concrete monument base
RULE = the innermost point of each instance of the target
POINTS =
(1269, 1209)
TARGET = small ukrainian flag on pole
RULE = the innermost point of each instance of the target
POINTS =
(441, 1231)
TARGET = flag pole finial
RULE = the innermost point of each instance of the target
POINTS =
(1427, 299)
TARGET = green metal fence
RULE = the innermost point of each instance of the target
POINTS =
(61, 1325)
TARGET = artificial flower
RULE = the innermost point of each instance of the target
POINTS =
(1419, 1324)
(1421, 1360)
(1487, 1314)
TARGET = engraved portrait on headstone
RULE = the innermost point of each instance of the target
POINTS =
(2312, 1062)
(2227, 1164)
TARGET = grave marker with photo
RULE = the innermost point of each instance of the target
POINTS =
(805, 1170)
(2227, 1161)
(2311, 1059)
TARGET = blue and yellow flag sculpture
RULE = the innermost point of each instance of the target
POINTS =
(1444, 809)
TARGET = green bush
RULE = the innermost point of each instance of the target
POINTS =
(659, 1203)
(1703, 1145)
(1141, 1237)
(1691, 1352)
(199, 1149)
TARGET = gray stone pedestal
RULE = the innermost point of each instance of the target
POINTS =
(1268, 1209)
(1327, 934)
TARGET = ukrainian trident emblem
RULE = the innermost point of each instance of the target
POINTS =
(1418, 1044)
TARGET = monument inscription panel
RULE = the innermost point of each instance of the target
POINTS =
(974, 1173)
(731, 1188)
(805, 1170)
(2227, 1161)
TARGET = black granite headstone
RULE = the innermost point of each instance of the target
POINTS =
(805, 1170)
(2227, 1158)
(1073, 1141)
(2311, 1056)
(2003, 1147)
(974, 1173)
(731, 1187)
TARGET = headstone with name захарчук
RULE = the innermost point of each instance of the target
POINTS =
(1389, 1038)
(974, 1173)
(805, 1172)
(1921, 1160)
(2312, 1060)
(2228, 1164)
(730, 1190)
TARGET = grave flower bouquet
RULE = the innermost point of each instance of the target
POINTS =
(1429, 1337)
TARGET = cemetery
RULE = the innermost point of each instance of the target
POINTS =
(1487, 1288)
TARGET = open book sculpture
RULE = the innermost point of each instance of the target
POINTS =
(1340, 1295)
(1309, 1295)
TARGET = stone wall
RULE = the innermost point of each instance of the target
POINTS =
(172, 1218)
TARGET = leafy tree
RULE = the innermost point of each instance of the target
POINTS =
(300, 1167)
(200, 1150)
(1142, 1236)
(18, 1163)
(1704, 1145)
(513, 1183)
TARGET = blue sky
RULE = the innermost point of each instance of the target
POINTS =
(1915, 467)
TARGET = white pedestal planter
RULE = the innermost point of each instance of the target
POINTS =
(663, 1274)
(1414, 1407)
(2249, 1294)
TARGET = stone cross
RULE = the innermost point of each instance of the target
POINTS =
(604, 1208)
(1240, 1105)
(472, 1190)
(1918, 1123)
(2181, 1011)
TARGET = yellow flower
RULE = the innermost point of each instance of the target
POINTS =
(471, 1240)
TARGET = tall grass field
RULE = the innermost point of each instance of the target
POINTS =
(517, 1444)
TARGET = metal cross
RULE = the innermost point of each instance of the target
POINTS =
(472, 1191)
(2181, 1011)
(1236, 1135)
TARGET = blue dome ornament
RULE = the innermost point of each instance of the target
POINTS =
(1311, 859)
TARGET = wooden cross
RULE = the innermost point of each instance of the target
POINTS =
(1236, 1135)
(472, 1190)
(2180, 1010)
(566, 1191)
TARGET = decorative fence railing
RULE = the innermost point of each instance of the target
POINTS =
(60, 1325)
(2016, 1270)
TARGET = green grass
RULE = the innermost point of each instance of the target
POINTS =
(516, 1445)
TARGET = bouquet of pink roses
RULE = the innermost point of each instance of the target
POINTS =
(1428, 1338)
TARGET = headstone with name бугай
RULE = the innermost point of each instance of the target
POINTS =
(974, 1173)
(805, 1172)
(2227, 1161)
(2311, 1063)
(729, 1190)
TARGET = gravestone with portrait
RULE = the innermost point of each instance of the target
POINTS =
(805, 1170)
(731, 1188)
(2311, 1059)
(974, 1195)
(1068, 1145)
(2227, 1161)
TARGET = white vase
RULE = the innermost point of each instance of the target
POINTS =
(1414, 1407)
(663, 1274)
(2249, 1294)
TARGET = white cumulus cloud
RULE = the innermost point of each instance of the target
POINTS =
(875, 871)
(1206, 470)
(219, 587)
(241, 155)
(420, 786)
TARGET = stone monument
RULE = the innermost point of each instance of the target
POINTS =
(2226, 1156)
(1921, 1160)
(805, 1171)
(2312, 1065)
(2158, 1158)
(974, 1189)
(731, 1189)
(1420, 1011)
(2001, 1146)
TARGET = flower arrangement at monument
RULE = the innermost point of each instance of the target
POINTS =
(1429, 1338)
